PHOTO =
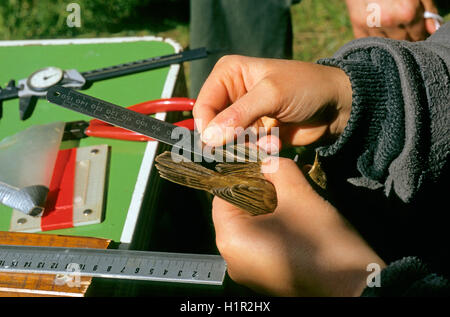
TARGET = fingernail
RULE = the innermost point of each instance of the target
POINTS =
(212, 134)
(197, 124)
(437, 24)
(270, 144)
(270, 165)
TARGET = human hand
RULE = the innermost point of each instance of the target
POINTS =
(399, 19)
(304, 248)
(307, 100)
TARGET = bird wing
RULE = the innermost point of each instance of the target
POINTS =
(256, 200)
(184, 173)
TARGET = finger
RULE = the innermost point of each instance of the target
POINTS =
(377, 32)
(289, 182)
(299, 135)
(241, 114)
(397, 33)
(223, 211)
(285, 172)
(222, 86)
(359, 32)
(265, 123)
(271, 144)
(431, 25)
(207, 106)
(417, 31)
(228, 221)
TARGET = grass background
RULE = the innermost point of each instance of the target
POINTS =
(320, 27)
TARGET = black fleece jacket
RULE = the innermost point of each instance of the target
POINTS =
(388, 173)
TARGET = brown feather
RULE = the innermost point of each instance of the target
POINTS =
(241, 184)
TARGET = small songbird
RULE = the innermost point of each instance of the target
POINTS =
(241, 184)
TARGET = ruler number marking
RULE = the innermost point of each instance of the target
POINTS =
(159, 267)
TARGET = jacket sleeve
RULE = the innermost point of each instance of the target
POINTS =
(408, 277)
(398, 131)
(398, 135)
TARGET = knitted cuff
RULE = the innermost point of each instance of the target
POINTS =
(370, 93)
(408, 277)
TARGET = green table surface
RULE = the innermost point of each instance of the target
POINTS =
(17, 62)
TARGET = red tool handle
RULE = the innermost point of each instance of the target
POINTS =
(154, 106)
(100, 129)
(112, 132)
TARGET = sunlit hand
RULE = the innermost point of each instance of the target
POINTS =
(305, 248)
(399, 19)
(306, 100)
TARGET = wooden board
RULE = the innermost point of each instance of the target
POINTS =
(43, 285)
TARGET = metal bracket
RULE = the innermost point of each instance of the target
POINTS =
(89, 191)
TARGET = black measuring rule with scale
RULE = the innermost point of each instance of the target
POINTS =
(119, 116)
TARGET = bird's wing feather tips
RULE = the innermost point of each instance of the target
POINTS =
(184, 173)
(255, 200)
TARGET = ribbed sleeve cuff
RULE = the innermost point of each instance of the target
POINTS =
(370, 93)
(408, 277)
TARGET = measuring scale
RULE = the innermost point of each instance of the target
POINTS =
(116, 264)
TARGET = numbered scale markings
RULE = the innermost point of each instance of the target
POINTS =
(120, 264)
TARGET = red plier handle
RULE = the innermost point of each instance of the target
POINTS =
(100, 129)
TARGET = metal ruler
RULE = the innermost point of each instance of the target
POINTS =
(178, 137)
(162, 131)
(118, 264)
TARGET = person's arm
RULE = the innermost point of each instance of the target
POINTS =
(400, 103)
(398, 134)
(399, 124)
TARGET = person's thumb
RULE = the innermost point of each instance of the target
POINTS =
(241, 114)
(288, 180)
(432, 23)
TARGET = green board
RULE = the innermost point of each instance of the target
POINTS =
(18, 61)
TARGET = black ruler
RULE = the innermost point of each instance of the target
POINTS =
(165, 132)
